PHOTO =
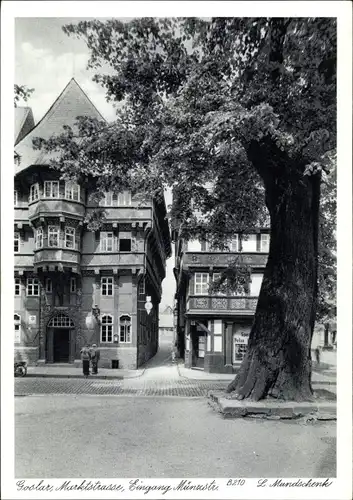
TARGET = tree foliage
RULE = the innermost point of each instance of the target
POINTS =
(21, 92)
(236, 115)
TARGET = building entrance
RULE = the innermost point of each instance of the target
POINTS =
(61, 347)
(60, 339)
(198, 348)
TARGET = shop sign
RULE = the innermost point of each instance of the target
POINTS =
(241, 339)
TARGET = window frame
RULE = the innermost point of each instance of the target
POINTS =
(39, 232)
(234, 239)
(215, 276)
(125, 334)
(73, 285)
(71, 189)
(124, 198)
(17, 287)
(34, 193)
(48, 289)
(107, 283)
(51, 233)
(17, 240)
(15, 198)
(104, 328)
(51, 193)
(104, 238)
(262, 242)
(142, 287)
(73, 236)
(201, 284)
(31, 283)
(17, 328)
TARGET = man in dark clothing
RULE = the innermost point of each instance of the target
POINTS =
(95, 356)
(85, 357)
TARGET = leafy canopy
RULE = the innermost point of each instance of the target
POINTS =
(193, 96)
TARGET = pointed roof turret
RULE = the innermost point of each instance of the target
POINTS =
(71, 103)
(24, 122)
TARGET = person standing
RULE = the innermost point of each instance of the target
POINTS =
(95, 355)
(85, 357)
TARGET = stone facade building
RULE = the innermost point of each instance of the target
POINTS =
(74, 286)
(213, 328)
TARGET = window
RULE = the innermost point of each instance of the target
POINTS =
(34, 192)
(32, 287)
(69, 237)
(110, 199)
(61, 321)
(17, 287)
(125, 245)
(15, 198)
(72, 285)
(107, 328)
(249, 243)
(72, 191)
(234, 244)
(17, 328)
(204, 246)
(142, 290)
(39, 237)
(107, 286)
(51, 189)
(201, 283)
(264, 243)
(53, 236)
(125, 329)
(48, 285)
(255, 285)
(16, 242)
(124, 198)
(106, 242)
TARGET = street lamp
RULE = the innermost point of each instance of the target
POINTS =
(148, 305)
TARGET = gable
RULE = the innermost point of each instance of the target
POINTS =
(70, 104)
(24, 123)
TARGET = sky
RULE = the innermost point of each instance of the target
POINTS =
(46, 59)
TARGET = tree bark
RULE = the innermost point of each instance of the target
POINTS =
(278, 359)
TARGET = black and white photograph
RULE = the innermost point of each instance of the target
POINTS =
(181, 277)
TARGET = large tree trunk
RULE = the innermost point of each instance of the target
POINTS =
(278, 359)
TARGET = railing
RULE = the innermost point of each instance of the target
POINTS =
(223, 304)
(222, 259)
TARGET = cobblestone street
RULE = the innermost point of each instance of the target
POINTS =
(134, 387)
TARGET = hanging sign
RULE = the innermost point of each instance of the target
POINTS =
(240, 339)
(148, 304)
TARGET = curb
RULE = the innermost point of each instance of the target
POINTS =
(273, 410)
(59, 375)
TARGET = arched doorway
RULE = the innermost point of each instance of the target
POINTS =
(60, 341)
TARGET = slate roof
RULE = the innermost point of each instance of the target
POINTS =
(24, 122)
(71, 103)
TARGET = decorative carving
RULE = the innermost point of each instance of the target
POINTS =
(252, 303)
(195, 258)
(201, 303)
(238, 304)
(219, 303)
